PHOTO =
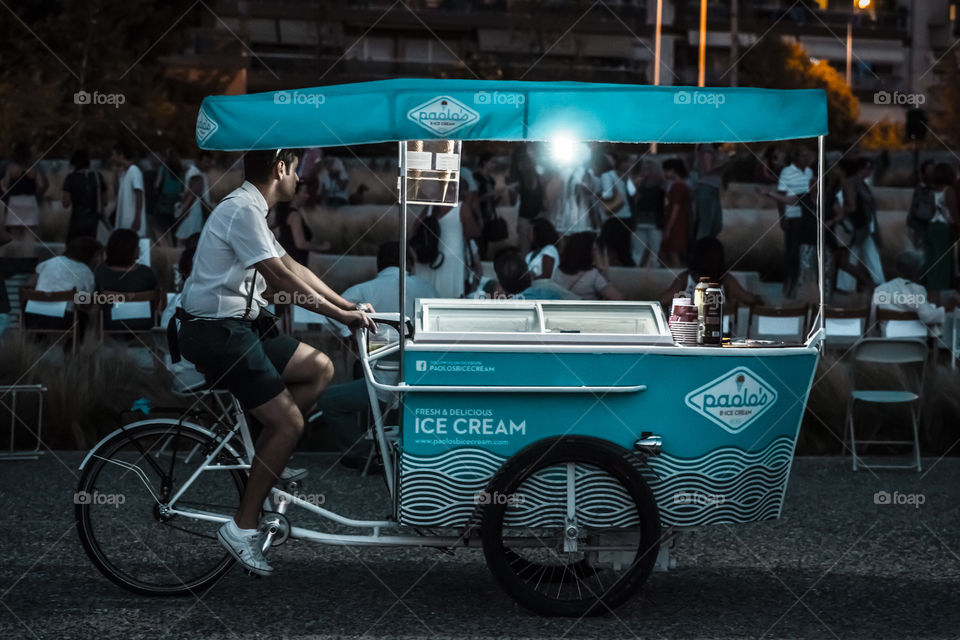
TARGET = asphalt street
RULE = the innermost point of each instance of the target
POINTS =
(836, 565)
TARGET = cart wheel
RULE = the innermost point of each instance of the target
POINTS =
(570, 527)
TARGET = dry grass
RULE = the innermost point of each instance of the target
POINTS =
(85, 393)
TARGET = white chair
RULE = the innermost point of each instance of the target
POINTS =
(900, 324)
(778, 323)
(845, 327)
(893, 352)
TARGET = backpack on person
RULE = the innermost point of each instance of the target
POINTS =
(923, 208)
(425, 241)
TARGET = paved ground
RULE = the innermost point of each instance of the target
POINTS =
(835, 565)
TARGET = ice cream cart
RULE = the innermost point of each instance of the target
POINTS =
(568, 439)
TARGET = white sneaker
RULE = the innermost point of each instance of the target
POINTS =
(245, 546)
(291, 475)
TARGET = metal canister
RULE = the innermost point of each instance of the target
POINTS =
(713, 315)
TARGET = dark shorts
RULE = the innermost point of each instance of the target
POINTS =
(233, 356)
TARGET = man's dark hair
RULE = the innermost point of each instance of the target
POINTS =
(512, 272)
(80, 159)
(388, 255)
(577, 252)
(123, 149)
(942, 176)
(864, 162)
(676, 165)
(706, 259)
(185, 264)
(122, 248)
(544, 233)
(258, 165)
(83, 249)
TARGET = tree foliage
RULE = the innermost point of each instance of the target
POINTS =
(774, 63)
(52, 49)
(945, 103)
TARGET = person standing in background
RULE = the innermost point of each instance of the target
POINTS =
(673, 249)
(168, 186)
(647, 207)
(794, 183)
(529, 189)
(921, 204)
(707, 209)
(83, 194)
(860, 207)
(130, 212)
(938, 236)
(22, 187)
(195, 205)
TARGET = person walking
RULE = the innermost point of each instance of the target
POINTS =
(673, 249)
(794, 183)
(938, 236)
(168, 186)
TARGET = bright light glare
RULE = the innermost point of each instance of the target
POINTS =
(863, 4)
(566, 151)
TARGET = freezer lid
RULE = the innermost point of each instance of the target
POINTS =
(540, 321)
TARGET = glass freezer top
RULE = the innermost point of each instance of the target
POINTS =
(564, 321)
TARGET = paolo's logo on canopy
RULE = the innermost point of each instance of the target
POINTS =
(443, 115)
(734, 400)
(206, 126)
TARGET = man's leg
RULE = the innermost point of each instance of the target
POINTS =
(282, 427)
(307, 374)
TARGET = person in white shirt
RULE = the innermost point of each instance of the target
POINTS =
(195, 203)
(130, 213)
(794, 182)
(274, 376)
(543, 257)
(383, 291)
(342, 403)
(73, 270)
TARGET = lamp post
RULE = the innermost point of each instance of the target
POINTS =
(702, 57)
(858, 5)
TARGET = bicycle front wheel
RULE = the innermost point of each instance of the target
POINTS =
(122, 526)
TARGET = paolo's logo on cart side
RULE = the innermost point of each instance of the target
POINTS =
(734, 400)
(443, 115)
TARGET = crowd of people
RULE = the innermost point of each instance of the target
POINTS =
(610, 212)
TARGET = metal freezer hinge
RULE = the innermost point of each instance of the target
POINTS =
(649, 444)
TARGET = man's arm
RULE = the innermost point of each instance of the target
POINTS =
(316, 286)
(280, 277)
(138, 199)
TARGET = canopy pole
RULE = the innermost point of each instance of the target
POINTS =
(403, 248)
(820, 230)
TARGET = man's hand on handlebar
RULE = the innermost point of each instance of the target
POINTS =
(359, 320)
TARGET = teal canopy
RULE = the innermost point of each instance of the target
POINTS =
(416, 109)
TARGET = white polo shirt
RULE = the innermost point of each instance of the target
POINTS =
(794, 182)
(235, 238)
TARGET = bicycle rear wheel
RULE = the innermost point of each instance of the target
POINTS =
(121, 525)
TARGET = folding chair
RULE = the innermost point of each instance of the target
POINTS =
(892, 352)
(845, 327)
(51, 306)
(900, 324)
(140, 307)
(788, 324)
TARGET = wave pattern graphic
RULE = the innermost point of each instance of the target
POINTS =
(727, 485)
